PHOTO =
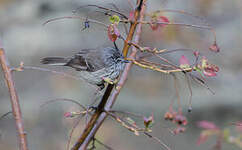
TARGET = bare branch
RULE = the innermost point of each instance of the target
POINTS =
(103, 8)
(4, 115)
(157, 139)
(16, 110)
(104, 145)
(64, 99)
(75, 17)
(108, 100)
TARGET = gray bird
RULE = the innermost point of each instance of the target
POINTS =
(94, 65)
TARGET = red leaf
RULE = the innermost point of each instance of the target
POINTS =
(163, 19)
(113, 32)
(156, 22)
(214, 47)
(207, 125)
(209, 73)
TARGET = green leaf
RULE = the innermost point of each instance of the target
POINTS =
(114, 19)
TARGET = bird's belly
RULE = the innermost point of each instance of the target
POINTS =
(96, 77)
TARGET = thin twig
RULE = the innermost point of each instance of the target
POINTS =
(104, 8)
(104, 145)
(75, 17)
(157, 139)
(61, 74)
(63, 99)
(14, 101)
(72, 131)
(126, 113)
(4, 115)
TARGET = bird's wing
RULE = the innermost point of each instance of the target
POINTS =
(87, 60)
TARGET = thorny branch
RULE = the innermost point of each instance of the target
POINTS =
(16, 110)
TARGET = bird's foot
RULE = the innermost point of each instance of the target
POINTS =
(110, 81)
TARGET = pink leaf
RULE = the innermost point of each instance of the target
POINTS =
(184, 63)
(214, 47)
(207, 125)
(131, 16)
(209, 73)
(157, 21)
(113, 32)
(163, 19)
(68, 114)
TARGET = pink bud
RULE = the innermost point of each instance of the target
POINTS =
(131, 16)
(214, 47)
(184, 63)
(68, 114)
(196, 53)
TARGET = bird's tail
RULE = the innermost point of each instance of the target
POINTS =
(55, 61)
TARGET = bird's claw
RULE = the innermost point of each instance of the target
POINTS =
(110, 81)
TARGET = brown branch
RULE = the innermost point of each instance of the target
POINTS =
(14, 101)
(108, 100)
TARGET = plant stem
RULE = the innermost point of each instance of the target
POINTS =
(14, 101)
(108, 99)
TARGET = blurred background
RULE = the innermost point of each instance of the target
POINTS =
(26, 39)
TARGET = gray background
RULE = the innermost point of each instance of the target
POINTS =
(25, 39)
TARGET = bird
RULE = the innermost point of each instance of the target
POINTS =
(96, 66)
